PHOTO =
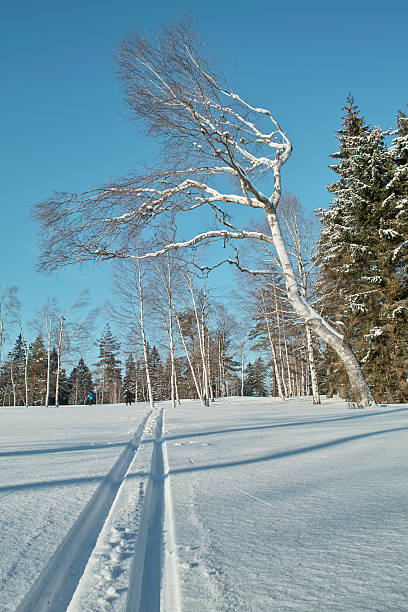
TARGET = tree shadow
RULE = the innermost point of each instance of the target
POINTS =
(281, 425)
(45, 484)
(283, 454)
(61, 449)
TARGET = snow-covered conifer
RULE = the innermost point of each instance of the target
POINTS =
(359, 277)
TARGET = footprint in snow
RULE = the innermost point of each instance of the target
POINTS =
(115, 556)
(115, 536)
(111, 593)
(106, 574)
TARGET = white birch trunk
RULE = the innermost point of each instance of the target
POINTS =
(312, 367)
(59, 352)
(272, 345)
(361, 394)
(193, 374)
(13, 383)
(142, 331)
(200, 330)
(242, 369)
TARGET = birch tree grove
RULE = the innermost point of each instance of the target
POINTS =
(210, 135)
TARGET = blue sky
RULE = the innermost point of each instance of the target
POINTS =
(64, 125)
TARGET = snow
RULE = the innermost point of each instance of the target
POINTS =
(251, 504)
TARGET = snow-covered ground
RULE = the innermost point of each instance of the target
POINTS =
(248, 505)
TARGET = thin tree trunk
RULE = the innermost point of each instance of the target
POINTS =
(142, 331)
(136, 371)
(103, 379)
(174, 392)
(281, 368)
(47, 392)
(272, 345)
(312, 367)
(59, 352)
(210, 387)
(13, 383)
(204, 393)
(288, 369)
(193, 374)
(27, 354)
(242, 369)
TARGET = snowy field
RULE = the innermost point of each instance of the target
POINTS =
(250, 505)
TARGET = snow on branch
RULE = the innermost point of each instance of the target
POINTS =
(208, 132)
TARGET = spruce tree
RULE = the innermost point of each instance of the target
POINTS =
(14, 371)
(255, 378)
(156, 372)
(79, 384)
(109, 364)
(130, 377)
(355, 256)
(37, 372)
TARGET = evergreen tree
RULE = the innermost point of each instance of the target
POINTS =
(14, 371)
(63, 389)
(130, 377)
(355, 255)
(37, 372)
(156, 372)
(255, 378)
(109, 364)
(79, 384)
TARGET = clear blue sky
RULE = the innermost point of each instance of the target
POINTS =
(64, 126)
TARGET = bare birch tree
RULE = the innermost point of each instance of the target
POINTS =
(8, 305)
(302, 253)
(26, 348)
(130, 287)
(210, 134)
(45, 326)
(69, 331)
(166, 275)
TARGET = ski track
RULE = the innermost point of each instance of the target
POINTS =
(108, 559)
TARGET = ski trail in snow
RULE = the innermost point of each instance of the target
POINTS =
(55, 586)
(124, 569)
(171, 597)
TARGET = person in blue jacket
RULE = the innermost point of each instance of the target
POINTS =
(91, 398)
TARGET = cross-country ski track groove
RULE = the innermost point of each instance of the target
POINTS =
(112, 557)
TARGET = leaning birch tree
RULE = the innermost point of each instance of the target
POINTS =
(210, 134)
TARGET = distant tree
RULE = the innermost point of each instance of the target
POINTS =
(156, 372)
(63, 389)
(109, 365)
(72, 334)
(45, 324)
(222, 354)
(79, 383)
(8, 304)
(26, 348)
(255, 378)
(16, 367)
(130, 378)
(37, 372)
